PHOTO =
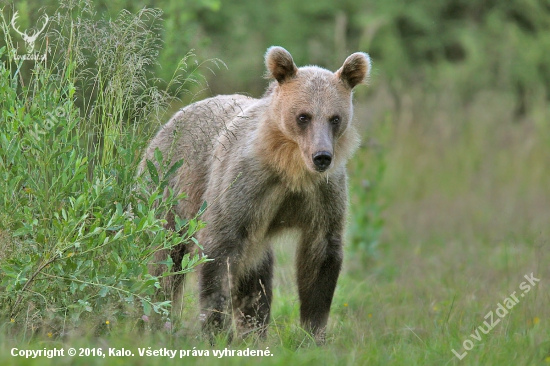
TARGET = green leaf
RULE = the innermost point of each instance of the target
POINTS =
(185, 261)
(146, 307)
(191, 229)
(194, 240)
(173, 168)
(203, 208)
(22, 231)
(119, 210)
(168, 262)
(180, 223)
(104, 291)
(158, 156)
(153, 172)
(73, 287)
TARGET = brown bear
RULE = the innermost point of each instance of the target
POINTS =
(264, 166)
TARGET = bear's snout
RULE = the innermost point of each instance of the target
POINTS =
(322, 160)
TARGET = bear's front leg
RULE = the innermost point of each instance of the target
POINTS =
(253, 297)
(319, 265)
(231, 287)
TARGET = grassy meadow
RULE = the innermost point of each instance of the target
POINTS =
(449, 211)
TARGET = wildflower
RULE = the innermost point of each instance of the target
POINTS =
(536, 320)
(345, 304)
(370, 316)
(107, 322)
(12, 320)
(50, 334)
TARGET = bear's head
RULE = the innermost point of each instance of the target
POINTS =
(313, 106)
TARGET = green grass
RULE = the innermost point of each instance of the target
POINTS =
(449, 210)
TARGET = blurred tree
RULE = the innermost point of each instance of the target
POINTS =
(469, 45)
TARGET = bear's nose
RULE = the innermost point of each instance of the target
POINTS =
(322, 160)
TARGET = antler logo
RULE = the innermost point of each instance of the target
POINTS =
(29, 39)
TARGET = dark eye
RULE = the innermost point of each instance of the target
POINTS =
(335, 120)
(303, 118)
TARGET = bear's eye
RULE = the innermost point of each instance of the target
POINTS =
(303, 118)
(335, 120)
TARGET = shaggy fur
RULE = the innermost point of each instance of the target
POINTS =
(253, 161)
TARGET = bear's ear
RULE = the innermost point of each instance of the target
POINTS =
(355, 69)
(279, 64)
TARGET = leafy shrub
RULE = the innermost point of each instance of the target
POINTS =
(78, 229)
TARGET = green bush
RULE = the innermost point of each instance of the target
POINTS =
(78, 229)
